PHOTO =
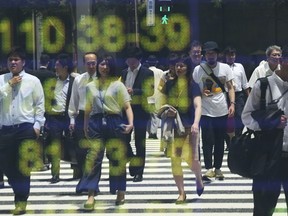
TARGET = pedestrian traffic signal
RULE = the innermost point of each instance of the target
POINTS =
(165, 6)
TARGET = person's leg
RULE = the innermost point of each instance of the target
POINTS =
(208, 140)
(219, 128)
(177, 172)
(54, 147)
(265, 196)
(195, 164)
(240, 103)
(137, 164)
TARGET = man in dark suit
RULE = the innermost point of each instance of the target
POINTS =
(139, 82)
(43, 74)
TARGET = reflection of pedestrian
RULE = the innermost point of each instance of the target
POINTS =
(139, 83)
(155, 99)
(215, 109)
(184, 97)
(22, 115)
(273, 148)
(77, 107)
(57, 111)
(44, 75)
(107, 98)
(235, 125)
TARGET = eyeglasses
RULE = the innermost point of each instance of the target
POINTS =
(91, 63)
(275, 55)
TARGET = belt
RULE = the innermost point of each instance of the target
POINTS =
(239, 92)
(15, 125)
(56, 113)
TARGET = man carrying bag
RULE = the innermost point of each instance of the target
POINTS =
(270, 160)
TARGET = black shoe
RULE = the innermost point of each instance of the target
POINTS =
(55, 179)
(138, 178)
(77, 173)
(200, 191)
(152, 136)
(2, 184)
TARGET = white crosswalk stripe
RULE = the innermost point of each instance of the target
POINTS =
(154, 196)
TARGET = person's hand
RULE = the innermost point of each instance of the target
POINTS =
(37, 132)
(207, 93)
(171, 112)
(283, 122)
(195, 129)
(15, 80)
(71, 127)
(130, 91)
(127, 129)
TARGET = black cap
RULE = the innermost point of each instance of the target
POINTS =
(210, 45)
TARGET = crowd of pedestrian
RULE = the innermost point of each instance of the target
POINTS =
(62, 115)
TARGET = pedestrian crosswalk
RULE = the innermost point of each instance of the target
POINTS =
(155, 195)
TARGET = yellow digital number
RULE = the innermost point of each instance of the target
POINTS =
(29, 156)
(55, 25)
(177, 32)
(27, 28)
(5, 33)
(155, 39)
(116, 153)
(89, 38)
(113, 35)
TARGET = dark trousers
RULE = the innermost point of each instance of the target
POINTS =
(267, 186)
(80, 139)
(19, 153)
(137, 161)
(213, 135)
(240, 99)
(107, 137)
(57, 126)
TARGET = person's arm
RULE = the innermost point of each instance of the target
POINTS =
(130, 117)
(197, 115)
(73, 105)
(88, 109)
(231, 94)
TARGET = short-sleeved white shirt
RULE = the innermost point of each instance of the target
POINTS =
(215, 105)
(111, 100)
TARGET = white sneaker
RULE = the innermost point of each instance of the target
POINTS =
(209, 174)
(218, 174)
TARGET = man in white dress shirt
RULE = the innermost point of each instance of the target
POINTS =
(22, 116)
(77, 107)
(266, 68)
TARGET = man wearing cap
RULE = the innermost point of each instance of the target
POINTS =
(213, 77)
(139, 82)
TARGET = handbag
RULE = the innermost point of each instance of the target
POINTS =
(242, 150)
(268, 117)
